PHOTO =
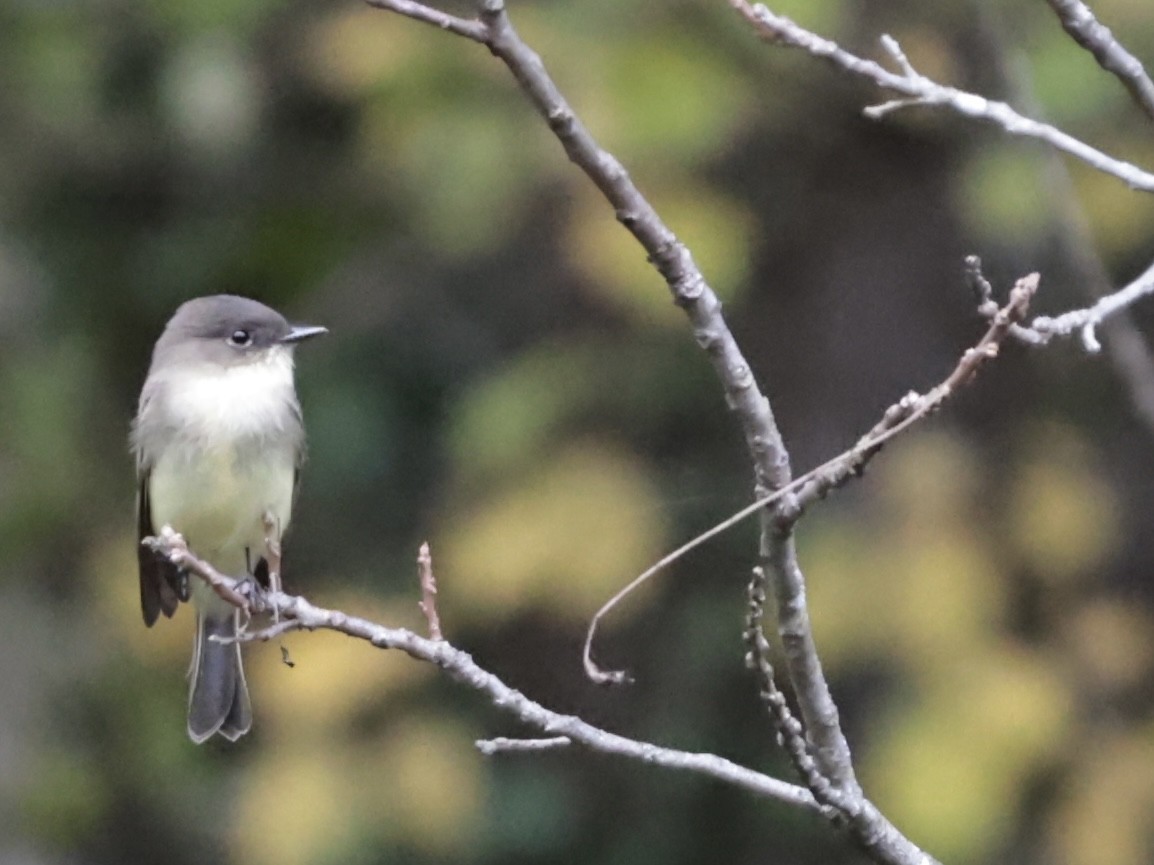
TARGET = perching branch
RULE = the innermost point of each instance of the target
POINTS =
(295, 613)
(470, 29)
(916, 89)
(172, 544)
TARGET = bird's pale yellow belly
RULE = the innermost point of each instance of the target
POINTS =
(218, 499)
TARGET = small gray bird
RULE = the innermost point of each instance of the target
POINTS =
(219, 443)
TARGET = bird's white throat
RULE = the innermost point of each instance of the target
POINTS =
(223, 403)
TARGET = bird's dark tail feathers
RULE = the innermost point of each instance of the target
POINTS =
(218, 699)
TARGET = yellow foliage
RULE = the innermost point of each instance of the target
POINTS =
(1112, 641)
(333, 677)
(614, 264)
(113, 580)
(651, 91)
(317, 798)
(930, 479)
(917, 584)
(426, 779)
(564, 536)
(1115, 213)
(666, 97)
(1105, 816)
(354, 48)
(1002, 196)
(952, 762)
(844, 581)
(505, 422)
(1071, 88)
(298, 806)
(1062, 514)
(946, 594)
(916, 599)
(63, 797)
(461, 166)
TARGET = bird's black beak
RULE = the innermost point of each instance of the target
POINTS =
(301, 332)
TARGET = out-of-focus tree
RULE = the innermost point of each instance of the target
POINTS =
(507, 377)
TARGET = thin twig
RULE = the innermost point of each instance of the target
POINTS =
(469, 28)
(691, 292)
(272, 549)
(461, 667)
(770, 458)
(501, 745)
(790, 734)
(988, 307)
(272, 632)
(693, 295)
(428, 602)
(818, 483)
(1078, 20)
(920, 90)
(1127, 348)
(1085, 321)
(854, 813)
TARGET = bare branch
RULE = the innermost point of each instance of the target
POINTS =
(919, 90)
(470, 29)
(790, 734)
(770, 458)
(1126, 348)
(692, 293)
(1078, 20)
(501, 745)
(1132, 357)
(855, 814)
(852, 812)
(171, 543)
(272, 535)
(461, 667)
(1086, 321)
(988, 307)
(272, 632)
(819, 482)
(428, 602)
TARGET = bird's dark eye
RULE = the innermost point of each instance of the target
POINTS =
(240, 338)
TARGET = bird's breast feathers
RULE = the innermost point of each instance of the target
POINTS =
(223, 403)
(223, 451)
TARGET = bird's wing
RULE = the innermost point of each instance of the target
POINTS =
(162, 586)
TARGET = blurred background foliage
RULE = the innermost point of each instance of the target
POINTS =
(507, 378)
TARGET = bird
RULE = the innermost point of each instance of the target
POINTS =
(219, 442)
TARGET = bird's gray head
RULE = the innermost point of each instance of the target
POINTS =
(228, 330)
